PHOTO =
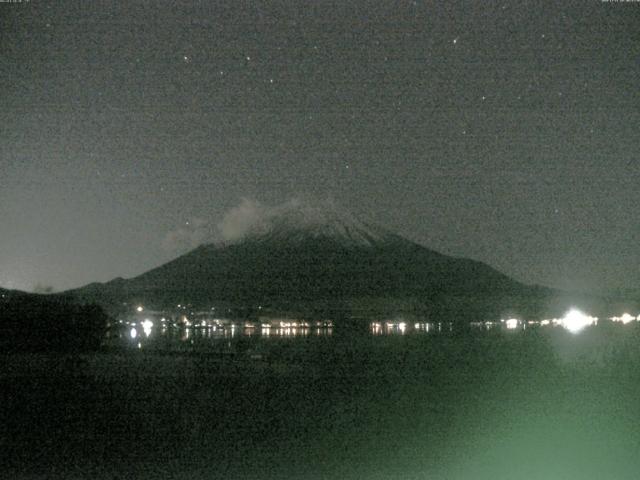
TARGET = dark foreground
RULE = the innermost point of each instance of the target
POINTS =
(533, 405)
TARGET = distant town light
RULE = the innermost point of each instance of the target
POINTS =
(511, 323)
(139, 308)
(625, 318)
(133, 333)
(575, 320)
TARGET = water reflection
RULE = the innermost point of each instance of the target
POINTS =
(210, 333)
(573, 321)
(186, 333)
(394, 327)
(183, 332)
(422, 327)
(147, 325)
(293, 331)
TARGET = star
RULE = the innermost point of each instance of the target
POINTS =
(455, 40)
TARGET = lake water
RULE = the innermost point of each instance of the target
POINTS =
(538, 403)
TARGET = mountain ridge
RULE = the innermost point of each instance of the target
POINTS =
(311, 255)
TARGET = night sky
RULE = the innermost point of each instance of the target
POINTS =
(503, 131)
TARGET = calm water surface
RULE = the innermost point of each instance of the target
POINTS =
(320, 403)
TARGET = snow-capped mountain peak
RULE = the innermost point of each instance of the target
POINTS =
(297, 222)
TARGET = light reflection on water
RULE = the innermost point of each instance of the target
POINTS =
(200, 335)
(145, 335)
(405, 328)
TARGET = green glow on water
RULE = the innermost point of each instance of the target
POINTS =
(540, 404)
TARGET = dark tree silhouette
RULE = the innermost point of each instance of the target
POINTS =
(41, 323)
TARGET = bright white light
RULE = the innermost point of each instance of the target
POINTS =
(402, 327)
(512, 323)
(575, 320)
(133, 333)
(146, 326)
(139, 308)
(625, 318)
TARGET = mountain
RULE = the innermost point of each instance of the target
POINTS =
(308, 258)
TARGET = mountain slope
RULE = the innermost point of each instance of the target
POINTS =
(309, 254)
